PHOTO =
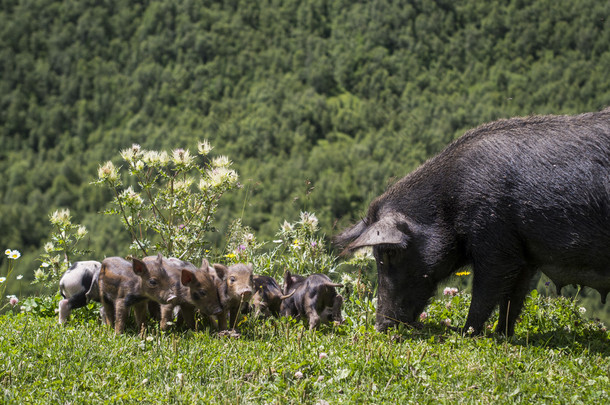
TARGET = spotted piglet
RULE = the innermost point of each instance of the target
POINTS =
(314, 298)
(78, 286)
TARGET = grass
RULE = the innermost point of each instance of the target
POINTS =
(556, 356)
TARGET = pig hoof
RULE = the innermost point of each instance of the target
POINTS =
(230, 333)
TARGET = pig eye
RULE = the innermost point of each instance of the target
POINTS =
(152, 282)
(232, 279)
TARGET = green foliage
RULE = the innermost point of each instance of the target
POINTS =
(299, 248)
(176, 200)
(65, 236)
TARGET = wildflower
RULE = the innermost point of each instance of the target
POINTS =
(221, 162)
(320, 378)
(39, 275)
(45, 264)
(221, 176)
(582, 310)
(13, 300)
(7, 252)
(183, 185)
(145, 381)
(423, 316)
(241, 248)
(15, 254)
(131, 154)
(204, 148)
(182, 157)
(131, 197)
(450, 291)
(314, 244)
(180, 378)
(151, 157)
(108, 172)
(60, 217)
(278, 241)
(298, 375)
(323, 355)
(548, 283)
(287, 226)
(470, 330)
(346, 279)
(2, 280)
(19, 277)
(309, 221)
(446, 322)
(462, 273)
(295, 242)
(81, 232)
(230, 255)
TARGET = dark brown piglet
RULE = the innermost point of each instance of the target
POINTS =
(235, 291)
(124, 284)
(314, 298)
(268, 296)
(201, 289)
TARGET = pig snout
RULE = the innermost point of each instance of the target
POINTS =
(245, 293)
(172, 298)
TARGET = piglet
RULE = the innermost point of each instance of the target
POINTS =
(124, 284)
(313, 298)
(268, 296)
(235, 291)
(78, 285)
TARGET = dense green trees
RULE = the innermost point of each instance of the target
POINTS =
(319, 103)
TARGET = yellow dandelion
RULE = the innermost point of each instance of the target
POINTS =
(462, 273)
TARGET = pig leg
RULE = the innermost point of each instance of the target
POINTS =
(167, 314)
(67, 305)
(337, 304)
(486, 290)
(222, 321)
(120, 315)
(188, 315)
(312, 314)
(140, 311)
(510, 306)
(107, 313)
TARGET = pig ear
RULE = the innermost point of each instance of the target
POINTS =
(205, 265)
(391, 229)
(139, 267)
(221, 270)
(160, 259)
(186, 277)
(287, 280)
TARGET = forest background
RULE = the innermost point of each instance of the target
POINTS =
(320, 104)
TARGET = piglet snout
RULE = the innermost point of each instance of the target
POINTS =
(172, 299)
(246, 294)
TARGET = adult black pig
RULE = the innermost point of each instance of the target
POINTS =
(508, 198)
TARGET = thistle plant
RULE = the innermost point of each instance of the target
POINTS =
(172, 204)
(61, 249)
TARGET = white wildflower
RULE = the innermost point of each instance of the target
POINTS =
(221, 162)
(204, 148)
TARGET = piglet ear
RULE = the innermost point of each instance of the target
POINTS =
(186, 277)
(391, 229)
(221, 270)
(160, 260)
(139, 267)
(205, 265)
(287, 281)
